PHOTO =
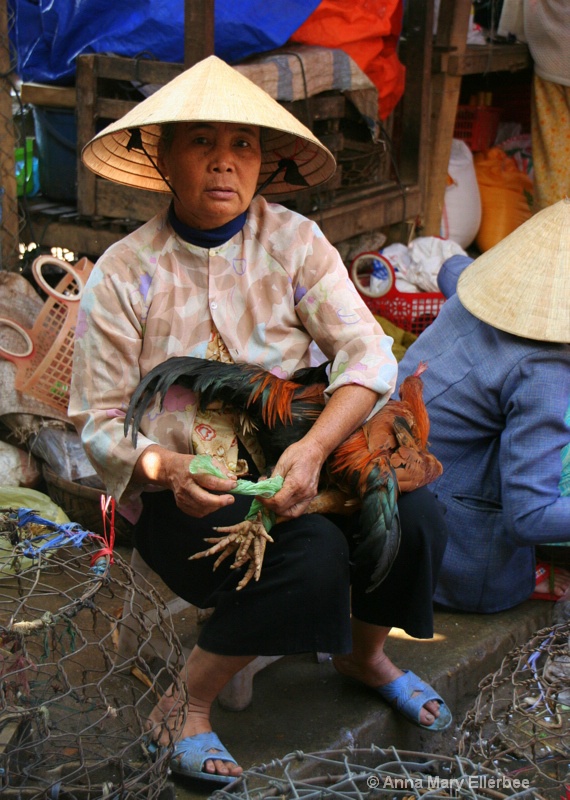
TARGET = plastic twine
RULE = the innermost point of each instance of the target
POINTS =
(108, 515)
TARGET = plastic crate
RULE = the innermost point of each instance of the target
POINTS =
(375, 279)
(477, 126)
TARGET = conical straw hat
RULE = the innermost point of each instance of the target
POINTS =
(522, 284)
(210, 91)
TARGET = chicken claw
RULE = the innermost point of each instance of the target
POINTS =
(246, 540)
(219, 543)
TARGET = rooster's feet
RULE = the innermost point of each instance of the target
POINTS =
(246, 540)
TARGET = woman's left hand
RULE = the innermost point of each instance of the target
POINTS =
(301, 463)
(300, 466)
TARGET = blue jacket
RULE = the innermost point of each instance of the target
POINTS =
(497, 404)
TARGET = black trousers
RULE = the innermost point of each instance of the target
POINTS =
(303, 599)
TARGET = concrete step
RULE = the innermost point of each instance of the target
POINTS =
(301, 704)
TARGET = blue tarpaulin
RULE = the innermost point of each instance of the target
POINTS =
(48, 35)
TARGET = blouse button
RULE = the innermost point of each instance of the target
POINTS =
(213, 305)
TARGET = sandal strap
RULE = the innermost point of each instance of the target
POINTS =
(400, 691)
(192, 752)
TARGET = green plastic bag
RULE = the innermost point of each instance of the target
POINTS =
(20, 497)
(266, 488)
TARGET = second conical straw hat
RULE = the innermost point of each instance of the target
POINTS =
(210, 91)
(522, 284)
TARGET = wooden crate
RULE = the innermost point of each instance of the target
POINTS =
(43, 94)
(108, 211)
(99, 80)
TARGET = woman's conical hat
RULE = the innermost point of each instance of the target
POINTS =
(522, 284)
(210, 91)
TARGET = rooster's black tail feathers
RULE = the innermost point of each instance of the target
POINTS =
(232, 384)
(213, 380)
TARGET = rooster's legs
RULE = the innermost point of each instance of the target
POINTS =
(333, 501)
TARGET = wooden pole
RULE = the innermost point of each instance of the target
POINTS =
(8, 190)
(453, 23)
(198, 31)
(416, 99)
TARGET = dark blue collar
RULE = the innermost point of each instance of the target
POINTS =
(211, 238)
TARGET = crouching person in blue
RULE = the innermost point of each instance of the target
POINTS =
(497, 390)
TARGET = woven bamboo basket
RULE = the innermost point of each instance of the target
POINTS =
(82, 504)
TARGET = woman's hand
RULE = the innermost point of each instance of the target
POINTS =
(301, 463)
(192, 493)
(300, 466)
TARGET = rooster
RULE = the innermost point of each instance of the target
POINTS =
(389, 451)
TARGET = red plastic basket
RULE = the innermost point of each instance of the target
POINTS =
(375, 279)
(477, 126)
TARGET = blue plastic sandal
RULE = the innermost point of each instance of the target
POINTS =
(398, 693)
(190, 755)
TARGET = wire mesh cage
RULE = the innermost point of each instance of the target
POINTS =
(521, 717)
(372, 772)
(74, 701)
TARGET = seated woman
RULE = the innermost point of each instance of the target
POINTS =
(224, 275)
(497, 388)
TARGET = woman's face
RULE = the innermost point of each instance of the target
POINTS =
(213, 167)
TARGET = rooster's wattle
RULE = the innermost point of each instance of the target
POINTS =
(386, 455)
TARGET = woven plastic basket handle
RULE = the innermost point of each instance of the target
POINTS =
(72, 297)
(362, 273)
(27, 337)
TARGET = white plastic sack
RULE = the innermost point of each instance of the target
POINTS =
(419, 264)
(461, 216)
(475, 33)
(399, 257)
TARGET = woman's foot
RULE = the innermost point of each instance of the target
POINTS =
(174, 718)
(169, 725)
(378, 672)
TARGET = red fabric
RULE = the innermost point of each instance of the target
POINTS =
(368, 31)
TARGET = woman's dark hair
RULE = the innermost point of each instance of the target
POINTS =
(166, 137)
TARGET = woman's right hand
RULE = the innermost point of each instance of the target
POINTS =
(192, 493)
